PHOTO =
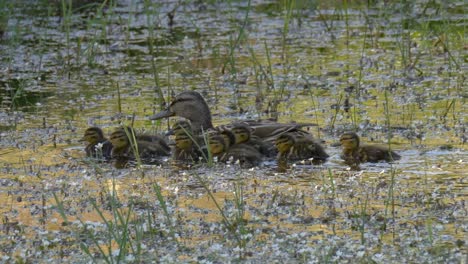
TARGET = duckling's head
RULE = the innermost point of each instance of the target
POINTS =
(192, 106)
(182, 127)
(229, 137)
(120, 138)
(93, 135)
(183, 141)
(242, 133)
(216, 144)
(349, 141)
(284, 142)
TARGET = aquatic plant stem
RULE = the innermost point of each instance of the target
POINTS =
(162, 203)
(159, 98)
(66, 14)
(234, 44)
(225, 220)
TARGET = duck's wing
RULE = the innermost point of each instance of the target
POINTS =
(269, 133)
(267, 129)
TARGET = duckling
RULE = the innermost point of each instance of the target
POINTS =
(182, 127)
(185, 149)
(299, 146)
(354, 153)
(98, 146)
(216, 146)
(243, 135)
(125, 143)
(229, 137)
(192, 106)
(247, 155)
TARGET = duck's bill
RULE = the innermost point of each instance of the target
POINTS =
(162, 114)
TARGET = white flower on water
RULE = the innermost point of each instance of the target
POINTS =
(98, 146)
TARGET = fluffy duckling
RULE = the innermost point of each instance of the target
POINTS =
(299, 146)
(182, 127)
(243, 135)
(127, 146)
(98, 146)
(247, 155)
(355, 153)
(229, 137)
(185, 149)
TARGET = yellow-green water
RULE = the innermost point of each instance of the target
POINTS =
(405, 67)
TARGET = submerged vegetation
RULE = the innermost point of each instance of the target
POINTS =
(392, 71)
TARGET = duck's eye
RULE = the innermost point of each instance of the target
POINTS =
(179, 100)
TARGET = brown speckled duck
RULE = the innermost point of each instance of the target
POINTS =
(355, 153)
(98, 146)
(192, 106)
(128, 147)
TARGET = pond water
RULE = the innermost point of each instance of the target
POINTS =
(379, 67)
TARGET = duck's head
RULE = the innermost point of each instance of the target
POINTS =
(120, 138)
(93, 135)
(216, 144)
(242, 133)
(192, 106)
(349, 140)
(284, 142)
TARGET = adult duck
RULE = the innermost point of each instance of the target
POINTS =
(192, 106)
